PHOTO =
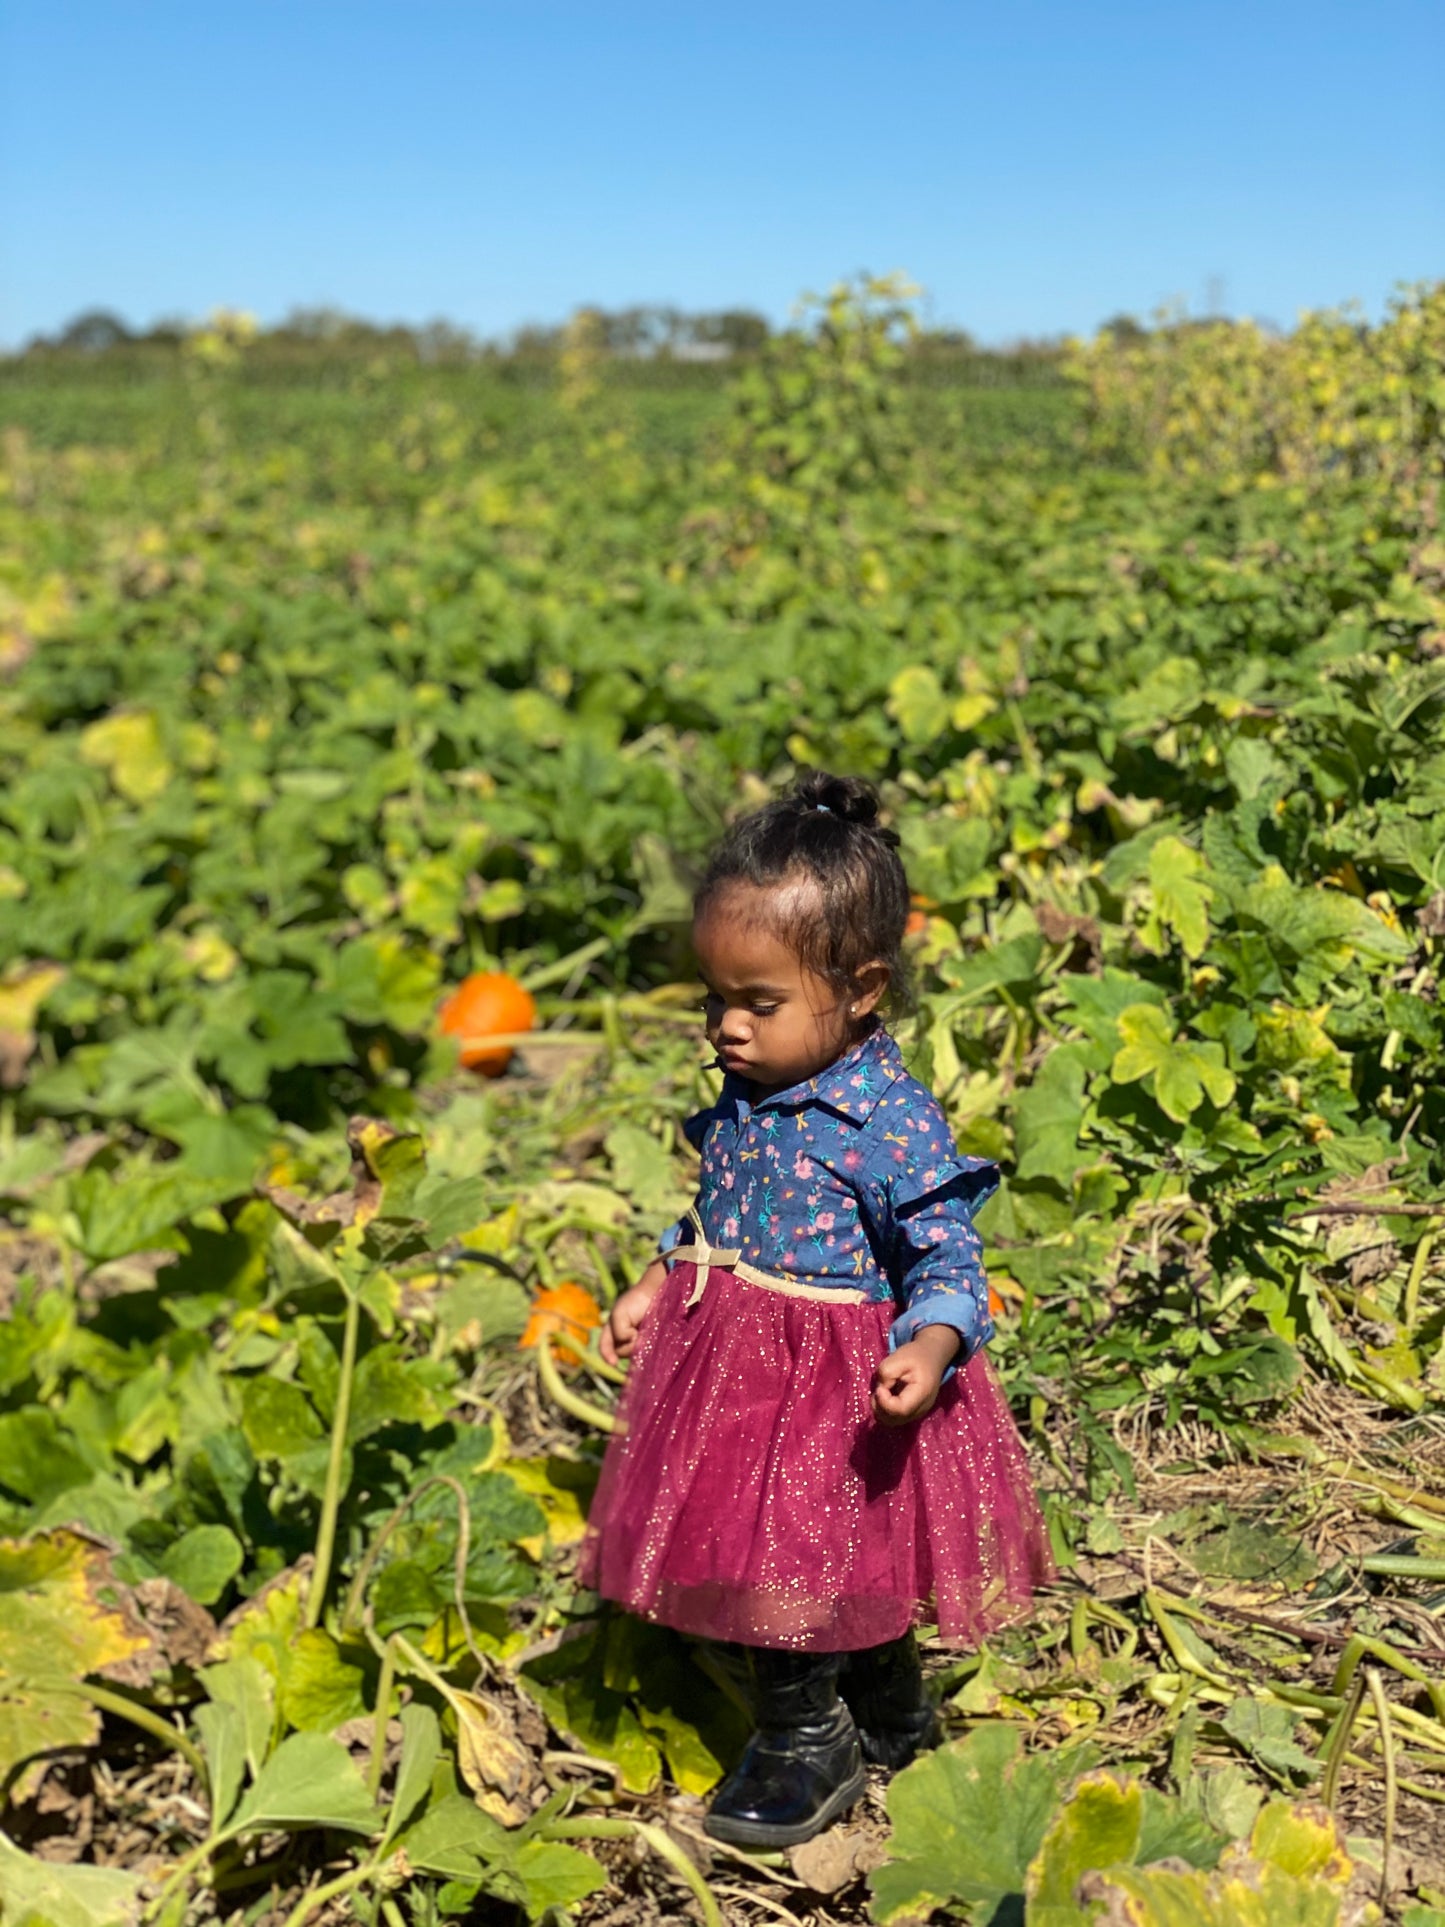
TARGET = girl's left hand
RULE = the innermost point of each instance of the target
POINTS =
(907, 1382)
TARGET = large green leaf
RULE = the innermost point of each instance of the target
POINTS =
(309, 1781)
(967, 1820)
(1181, 1073)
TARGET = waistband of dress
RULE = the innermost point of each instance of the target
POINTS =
(709, 1258)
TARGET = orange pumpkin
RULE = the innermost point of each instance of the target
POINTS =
(996, 1306)
(489, 1003)
(566, 1311)
(917, 923)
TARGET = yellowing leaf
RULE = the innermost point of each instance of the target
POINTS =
(22, 992)
(493, 1762)
(127, 746)
(969, 711)
(557, 1487)
(56, 1627)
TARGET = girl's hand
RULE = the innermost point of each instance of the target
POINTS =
(620, 1333)
(907, 1382)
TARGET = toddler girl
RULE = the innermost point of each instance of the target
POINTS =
(813, 1454)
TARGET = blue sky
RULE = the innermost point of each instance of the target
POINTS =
(1037, 165)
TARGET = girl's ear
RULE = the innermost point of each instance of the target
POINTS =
(869, 984)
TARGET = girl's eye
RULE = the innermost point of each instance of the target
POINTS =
(763, 1010)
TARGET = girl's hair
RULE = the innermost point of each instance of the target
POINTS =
(823, 833)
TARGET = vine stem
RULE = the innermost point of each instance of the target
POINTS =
(1338, 1742)
(384, 1687)
(1387, 1757)
(566, 1400)
(1415, 1280)
(107, 1702)
(661, 1844)
(331, 1498)
(318, 1896)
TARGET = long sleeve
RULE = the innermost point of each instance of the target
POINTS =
(936, 1261)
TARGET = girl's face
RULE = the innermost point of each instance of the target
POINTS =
(769, 1018)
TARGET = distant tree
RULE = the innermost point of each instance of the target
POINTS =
(169, 332)
(1124, 328)
(736, 328)
(92, 332)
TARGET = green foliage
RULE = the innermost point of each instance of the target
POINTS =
(989, 1835)
(312, 703)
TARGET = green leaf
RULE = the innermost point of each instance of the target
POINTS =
(643, 1170)
(44, 1893)
(245, 1685)
(1266, 1732)
(967, 1820)
(1181, 1072)
(1171, 1830)
(498, 1308)
(1251, 764)
(320, 1689)
(1243, 1551)
(454, 1838)
(36, 1458)
(431, 898)
(278, 1420)
(203, 1562)
(1226, 1800)
(309, 1781)
(918, 704)
(1181, 900)
(1048, 1115)
(223, 1739)
(421, 1749)
(392, 1390)
(553, 1874)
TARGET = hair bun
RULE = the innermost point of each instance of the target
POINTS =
(847, 797)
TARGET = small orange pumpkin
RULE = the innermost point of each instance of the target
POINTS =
(996, 1306)
(917, 923)
(566, 1311)
(489, 1003)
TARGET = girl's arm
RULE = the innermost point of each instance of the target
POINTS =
(620, 1333)
(936, 1267)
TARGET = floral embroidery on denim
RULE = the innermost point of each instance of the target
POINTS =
(851, 1179)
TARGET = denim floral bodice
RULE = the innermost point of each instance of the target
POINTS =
(851, 1180)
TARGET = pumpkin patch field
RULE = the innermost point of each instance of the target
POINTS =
(359, 740)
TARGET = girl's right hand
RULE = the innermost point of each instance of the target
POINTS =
(620, 1333)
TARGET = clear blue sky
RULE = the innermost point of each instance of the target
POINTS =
(1037, 164)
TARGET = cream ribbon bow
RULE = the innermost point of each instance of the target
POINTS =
(704, 1256)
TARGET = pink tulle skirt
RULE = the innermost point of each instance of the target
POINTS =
(750, 1495)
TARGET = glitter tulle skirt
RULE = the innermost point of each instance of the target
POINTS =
(750, 1495)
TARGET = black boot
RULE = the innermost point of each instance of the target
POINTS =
(802, 1767)
(886, 1695)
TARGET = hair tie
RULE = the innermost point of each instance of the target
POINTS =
(824, 808)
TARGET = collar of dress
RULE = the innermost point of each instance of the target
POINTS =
(852, 1085)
